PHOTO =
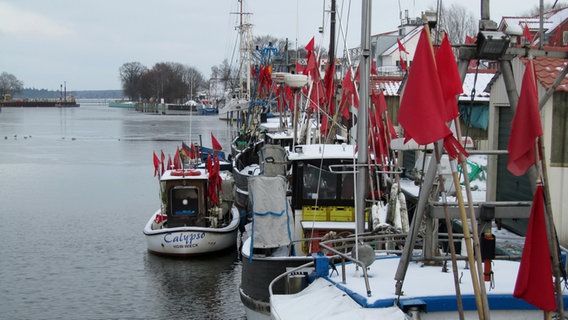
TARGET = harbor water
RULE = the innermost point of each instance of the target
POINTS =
(76, 188)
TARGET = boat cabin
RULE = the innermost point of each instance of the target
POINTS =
(185, 199)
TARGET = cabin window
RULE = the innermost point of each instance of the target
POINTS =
(184, 201)
(319, 184)
(559, 148)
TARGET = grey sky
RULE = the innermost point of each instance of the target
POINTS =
(84, 42)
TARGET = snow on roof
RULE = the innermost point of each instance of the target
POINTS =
(391, 87)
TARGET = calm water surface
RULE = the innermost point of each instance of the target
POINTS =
(76, 188)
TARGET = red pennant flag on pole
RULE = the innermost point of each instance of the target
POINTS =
(525, 127)
(162, 159)
(534, 280)
(422, 101)
(401, 48)
(402, 64)
(449, 76)
(349, 95)
(527, 33)
(216, 145)
(310, 46)
(156, 161)
(177, 160)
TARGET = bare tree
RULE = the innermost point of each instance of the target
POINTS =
(9, 84)
(458, 22)
(131, 74)
(194, 79)
(535, 10)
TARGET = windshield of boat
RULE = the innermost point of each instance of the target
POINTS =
(324, 184)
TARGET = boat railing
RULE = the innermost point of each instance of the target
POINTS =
(287, 273)
(342, 248)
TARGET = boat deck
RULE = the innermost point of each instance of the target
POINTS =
(333, 295)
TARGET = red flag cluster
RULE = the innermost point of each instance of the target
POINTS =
(160, 164)
(381, 130)
(215, 182)
(316, 95)
(349, 95)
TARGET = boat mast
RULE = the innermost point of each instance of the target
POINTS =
(244, 49)
(362, 115)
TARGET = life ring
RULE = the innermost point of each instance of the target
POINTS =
(179, 173)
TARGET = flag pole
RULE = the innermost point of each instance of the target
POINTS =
(451, 244)
(551, 230)
(480, 295)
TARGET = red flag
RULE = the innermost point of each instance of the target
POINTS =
(329, 85)
(402, 64)
(422, 102)
(177, 160)
(299, 68)
(449, 76)
(317, 94)
(349, 94)
(534, 280)
(401, 48)
(527, 33)
(216, 145)
(156, 164)
(374, 68)
(162, 159)
(169, 162)
(470, 40)
(310, 46)
(525, 127)
(192, 152)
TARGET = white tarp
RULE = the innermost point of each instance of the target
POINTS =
(272, 213)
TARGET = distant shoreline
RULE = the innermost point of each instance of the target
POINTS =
(38, 103)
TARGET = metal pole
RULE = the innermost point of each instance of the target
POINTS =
(362, 154)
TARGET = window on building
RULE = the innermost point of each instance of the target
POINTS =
(559, 147)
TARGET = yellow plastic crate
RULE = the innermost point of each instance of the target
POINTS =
(341, 213)
(314, 213)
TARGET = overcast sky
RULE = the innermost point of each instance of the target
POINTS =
(83, 43)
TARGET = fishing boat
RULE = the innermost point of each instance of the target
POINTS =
(424, 274)
(206, 107)
(196, 215)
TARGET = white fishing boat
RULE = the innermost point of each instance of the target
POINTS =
(196, 215)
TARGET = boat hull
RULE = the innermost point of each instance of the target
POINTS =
(191, 241)
(256, 275)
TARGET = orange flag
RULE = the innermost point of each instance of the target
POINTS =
(534, 280)
(525, 127)
(422, 109)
